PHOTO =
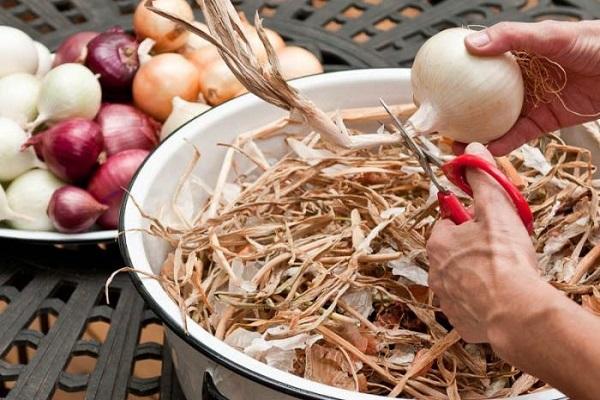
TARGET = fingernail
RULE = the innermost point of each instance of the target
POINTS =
(476, 148)
(478, 39)
(479, 150)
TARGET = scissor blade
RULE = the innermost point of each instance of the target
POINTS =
(413, 147)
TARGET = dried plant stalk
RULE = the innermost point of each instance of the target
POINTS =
(313, 239)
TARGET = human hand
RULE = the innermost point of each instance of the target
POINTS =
(482, 269)
(575, 46)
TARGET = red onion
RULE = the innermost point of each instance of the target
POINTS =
(113, 55)
(70, 148)
(73, 210)
(108, 183)
(73, 49)
(125, 127)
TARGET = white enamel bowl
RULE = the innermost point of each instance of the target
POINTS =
(237, 376)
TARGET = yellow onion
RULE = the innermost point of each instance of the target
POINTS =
(167, 34)
(202, 54)
(219, 84)
(296, 62)
(162, 78)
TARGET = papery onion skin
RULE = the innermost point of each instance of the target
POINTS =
(113, 55)
(17, 52)
(74, 48)
(124, 127)
(19, 94)
(168, 36)
(68, 91)
(162, 78)
(183, 111)
(465, 97)
(70, 148)
(296, 62)
(29, 195)
(45, 60)
(203, 56)
(73, 210)
(109, 181)
(14, 161)
(219, 84)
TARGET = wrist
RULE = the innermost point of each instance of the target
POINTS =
(527, 310)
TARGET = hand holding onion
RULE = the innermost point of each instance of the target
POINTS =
(575, 47)
(465, 97)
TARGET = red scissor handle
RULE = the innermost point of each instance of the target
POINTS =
(452, 208)
(456, 171)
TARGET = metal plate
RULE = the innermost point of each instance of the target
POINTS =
(59, 238)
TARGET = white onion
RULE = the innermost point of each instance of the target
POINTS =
(13, 161)
(68, 91)
(45, 60)
(30, 195)
(183, 111)
(19, 94)
(6, 212)
(17, 52)
(465, 97)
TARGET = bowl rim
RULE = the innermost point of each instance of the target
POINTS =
(52, 237)
(214, 355)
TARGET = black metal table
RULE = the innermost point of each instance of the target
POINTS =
(49, 297)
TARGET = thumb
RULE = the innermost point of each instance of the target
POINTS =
(490, 198)
(546, 38)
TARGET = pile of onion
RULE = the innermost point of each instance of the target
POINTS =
(218, 83)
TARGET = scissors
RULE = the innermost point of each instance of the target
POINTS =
(455, 171)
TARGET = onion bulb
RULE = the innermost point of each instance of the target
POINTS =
(124, 127)
(29, 195)
(74, 48)
(45, 60)
(296, 62)
(6, 212)
(70, 148)
(108, 183)
(219, 84)
(162, 78)
(19, 94)
(465, 97)
(68, 91)
(74, 210)
(183, 111)
(202, 54)
(17, 52)
(13, 161)
(167, 34)
(113, 56)
(195, 42)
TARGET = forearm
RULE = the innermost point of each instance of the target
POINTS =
(552, 338)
